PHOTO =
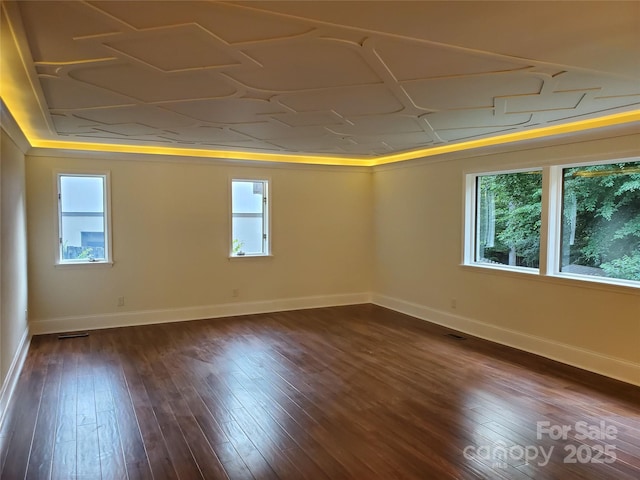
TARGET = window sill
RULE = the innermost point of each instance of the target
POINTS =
(240, 257)
(504, 268)
(597, 282)
(84, 265)
(579, 281)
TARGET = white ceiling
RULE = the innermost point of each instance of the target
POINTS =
(331, 78)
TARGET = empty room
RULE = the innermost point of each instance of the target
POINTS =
(320, 240)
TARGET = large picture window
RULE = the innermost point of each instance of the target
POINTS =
(83, 218)
(249, 218)
(574, 221)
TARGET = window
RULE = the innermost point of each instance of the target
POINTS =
(249, 218)
(601, 221)
(83, 218)
(508, 219)
(567, 221)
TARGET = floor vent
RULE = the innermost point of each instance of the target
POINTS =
(457, 337)
(64, 336)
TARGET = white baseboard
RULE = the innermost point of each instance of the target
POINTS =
(145, 317)
(582, 358)
(10, 382)
(616, 368)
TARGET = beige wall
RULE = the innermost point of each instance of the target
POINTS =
(13, 255)
(338, 234)
(171, 242)
(418, 228)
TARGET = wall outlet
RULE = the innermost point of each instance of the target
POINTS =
(121, 301)
(454, 303)
(235, 292)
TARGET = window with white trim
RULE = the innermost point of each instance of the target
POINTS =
(601, 221)
(570, 221)
(83, 218)
(249, 218)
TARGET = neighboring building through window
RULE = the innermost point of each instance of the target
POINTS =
(249, 218)
(83, 220)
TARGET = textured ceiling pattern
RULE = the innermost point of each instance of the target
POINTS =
(345, 78)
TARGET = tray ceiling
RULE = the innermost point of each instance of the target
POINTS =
(352, 79)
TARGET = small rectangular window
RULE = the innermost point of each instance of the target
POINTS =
(83, 219)
(508, 219)
(601, 221)
(249, 218)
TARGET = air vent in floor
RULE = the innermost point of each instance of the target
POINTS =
(65, 336)
(457, 337)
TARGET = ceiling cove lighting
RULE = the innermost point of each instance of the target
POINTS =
(543, 132)
(573, 127)
(23, 94)
(201, 153)
(11, 98)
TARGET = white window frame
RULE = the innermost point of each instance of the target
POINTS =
(554, 237)
(470, 220)
(551, 225)
(108, 251)
(266, 217)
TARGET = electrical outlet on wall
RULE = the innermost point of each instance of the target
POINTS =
(454, 303)
(121, 301)
(235, 292)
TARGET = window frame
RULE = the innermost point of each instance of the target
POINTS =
(551, 224)
(106, 201)
(471, 221)
(554, 238)
(266, 216)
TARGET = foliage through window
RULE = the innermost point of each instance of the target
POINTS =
(508, 219)
(82, 218)
(249, 218)
(601, 221)
(592, 218)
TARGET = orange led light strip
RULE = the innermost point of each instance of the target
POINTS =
(535, 133)
(573, 127)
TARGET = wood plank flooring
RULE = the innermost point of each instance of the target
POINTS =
(356, 392)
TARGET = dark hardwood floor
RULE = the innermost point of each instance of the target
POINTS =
(347, 392)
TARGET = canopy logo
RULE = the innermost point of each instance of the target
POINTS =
(501, 455)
